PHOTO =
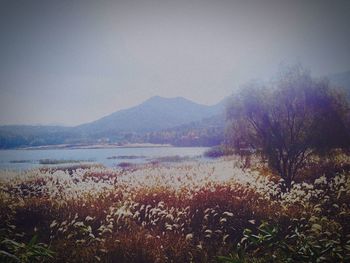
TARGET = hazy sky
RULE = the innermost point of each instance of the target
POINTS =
(72, 61)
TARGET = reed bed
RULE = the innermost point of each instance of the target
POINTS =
(219, 211)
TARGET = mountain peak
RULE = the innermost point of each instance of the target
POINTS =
(156, 113)
(160, 98)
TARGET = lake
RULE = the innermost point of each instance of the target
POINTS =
(110, 157)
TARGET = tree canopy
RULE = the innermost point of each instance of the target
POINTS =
(288, 119)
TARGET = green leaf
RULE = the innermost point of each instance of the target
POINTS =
(9, 255)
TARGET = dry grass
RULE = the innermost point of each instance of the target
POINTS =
(186, 212)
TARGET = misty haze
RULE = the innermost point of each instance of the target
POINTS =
(175, 131)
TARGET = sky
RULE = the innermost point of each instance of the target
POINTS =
(71, 62)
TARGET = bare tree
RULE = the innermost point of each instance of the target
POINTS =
(287, 121)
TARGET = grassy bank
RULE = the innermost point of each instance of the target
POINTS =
(182, 212)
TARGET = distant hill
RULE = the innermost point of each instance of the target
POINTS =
(176, 121)
(135, 124)
(156, 113)
(13, 136)
(206, 132)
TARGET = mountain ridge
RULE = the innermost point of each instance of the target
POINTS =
(153, 115)
(174, 120)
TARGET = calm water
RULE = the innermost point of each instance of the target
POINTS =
(26, 159)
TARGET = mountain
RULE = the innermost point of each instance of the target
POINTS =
(206, 132)
(157, 114)
(177, 121)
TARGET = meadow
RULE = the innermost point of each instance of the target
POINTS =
(227, 210)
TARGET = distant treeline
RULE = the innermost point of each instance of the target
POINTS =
(32, 136)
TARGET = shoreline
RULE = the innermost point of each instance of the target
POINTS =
(93, 146)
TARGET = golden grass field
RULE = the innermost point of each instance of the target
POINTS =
(218, 211)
